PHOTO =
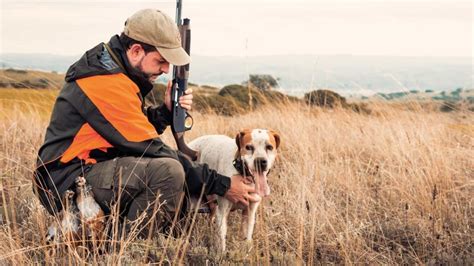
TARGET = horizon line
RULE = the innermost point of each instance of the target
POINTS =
(263, 55)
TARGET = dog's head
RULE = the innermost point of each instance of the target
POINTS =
(258, 150)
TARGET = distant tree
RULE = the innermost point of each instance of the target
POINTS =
(330, 99)
(385, 96)
(325, 98)
(456, 93)
(262, 82)
(209, 87)
(398, 94)
(470, 100)
(448, 106)
(245, 97)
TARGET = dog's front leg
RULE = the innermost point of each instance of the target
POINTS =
(252, 213)
(245, 222)
(222, 213)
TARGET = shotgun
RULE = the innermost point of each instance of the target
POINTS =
(182, 121)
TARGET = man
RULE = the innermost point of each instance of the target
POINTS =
(100, 128)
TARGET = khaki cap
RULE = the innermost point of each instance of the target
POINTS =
(154, 27)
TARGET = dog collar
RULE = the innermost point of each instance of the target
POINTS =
(242, 168)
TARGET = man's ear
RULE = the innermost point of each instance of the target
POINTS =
(276, 136)
(134, 53)
(240, 136)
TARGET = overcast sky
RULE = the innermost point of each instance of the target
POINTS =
(257, 27)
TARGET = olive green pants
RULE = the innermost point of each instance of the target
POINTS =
(135, 184)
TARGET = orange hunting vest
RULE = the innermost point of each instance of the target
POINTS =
(116, 97)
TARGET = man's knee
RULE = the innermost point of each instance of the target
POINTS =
(166, 177)
(166, 173)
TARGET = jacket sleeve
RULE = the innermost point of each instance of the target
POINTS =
(160, 117)
(199, 176)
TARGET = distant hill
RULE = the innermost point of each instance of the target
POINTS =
(30, 79)
(456, 95)
(233, 98)
(46, 62)
(297, 74)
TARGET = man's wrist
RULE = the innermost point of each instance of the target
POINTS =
(166, 114)
(222, 185)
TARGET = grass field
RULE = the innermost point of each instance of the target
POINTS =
(392, 187)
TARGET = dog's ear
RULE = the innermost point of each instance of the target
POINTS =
(276, 136)
(240, 136)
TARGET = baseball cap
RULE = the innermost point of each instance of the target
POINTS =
(154, 27)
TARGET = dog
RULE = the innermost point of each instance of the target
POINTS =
(251, 154)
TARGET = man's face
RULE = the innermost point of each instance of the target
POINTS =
(151, 64)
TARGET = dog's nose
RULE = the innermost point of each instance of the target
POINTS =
(261, 163)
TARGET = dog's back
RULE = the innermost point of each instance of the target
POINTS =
(217, 151)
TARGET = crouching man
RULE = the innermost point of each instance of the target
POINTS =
(100, 129)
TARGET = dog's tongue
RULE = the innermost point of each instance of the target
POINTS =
(262, 185)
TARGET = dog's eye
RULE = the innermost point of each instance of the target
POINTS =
(249, 147)
(269, 147)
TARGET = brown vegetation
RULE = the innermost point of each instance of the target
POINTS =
(392, 187)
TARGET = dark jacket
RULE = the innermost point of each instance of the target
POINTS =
(99, 115)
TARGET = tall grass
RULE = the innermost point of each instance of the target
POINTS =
(394, 186)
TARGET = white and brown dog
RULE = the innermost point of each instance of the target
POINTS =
(252, 157)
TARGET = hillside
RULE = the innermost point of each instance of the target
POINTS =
(30, 79)
(34, 79)
(346, 74)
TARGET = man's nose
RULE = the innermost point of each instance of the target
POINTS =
(165, 68)
(261, 163)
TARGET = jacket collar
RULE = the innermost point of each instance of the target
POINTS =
(136, 76)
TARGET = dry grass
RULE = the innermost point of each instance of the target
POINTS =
(395, 186)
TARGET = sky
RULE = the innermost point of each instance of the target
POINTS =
(251, 28)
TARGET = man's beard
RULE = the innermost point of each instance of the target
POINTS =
(138, 71)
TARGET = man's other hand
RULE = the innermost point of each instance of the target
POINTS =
(185, 101)
(239, 191)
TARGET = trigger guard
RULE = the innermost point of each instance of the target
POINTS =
(186, 126)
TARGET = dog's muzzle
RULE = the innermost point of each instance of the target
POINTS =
(261, 164)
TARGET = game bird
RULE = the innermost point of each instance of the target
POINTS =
(90, 213)
(68, 225)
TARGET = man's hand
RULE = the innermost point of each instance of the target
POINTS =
(239, 191)
(185, 101)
